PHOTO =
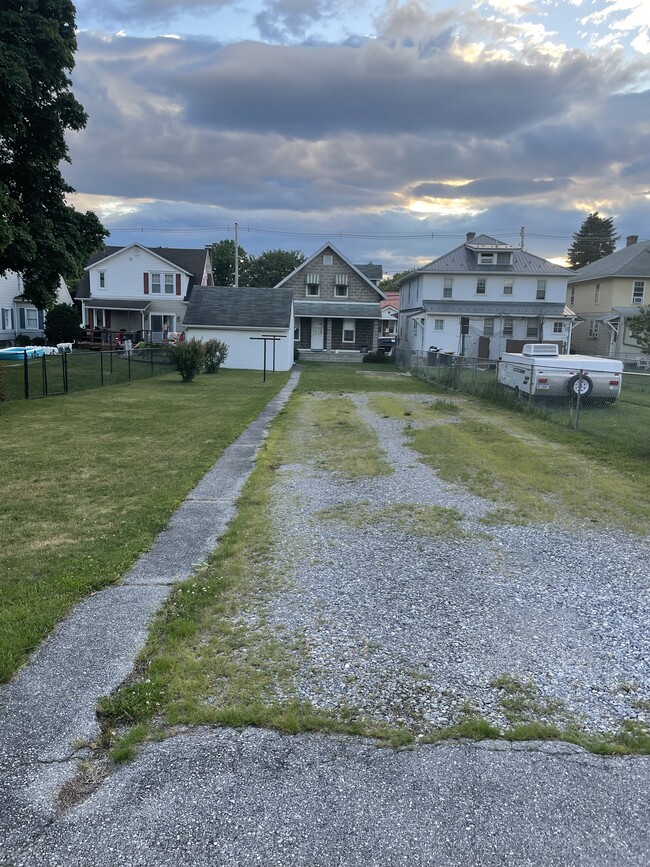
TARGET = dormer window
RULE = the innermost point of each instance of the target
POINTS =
(486, 258)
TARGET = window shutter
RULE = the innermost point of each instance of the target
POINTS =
(21, 318)
(41, 320)
(178, 284)
(146, 283)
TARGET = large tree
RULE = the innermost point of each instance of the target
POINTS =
(639, 328)
(271, 266)
(41, 236)
(387, 284)
(595, 238)
(223, 264)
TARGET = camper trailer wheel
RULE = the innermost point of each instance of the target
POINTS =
(578, 385)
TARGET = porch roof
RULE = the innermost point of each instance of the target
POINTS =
(491, 308)
(112, 304)
(338, 309)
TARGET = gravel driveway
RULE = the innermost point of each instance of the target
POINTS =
(419, 630)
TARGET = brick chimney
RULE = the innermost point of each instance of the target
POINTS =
(470, 237)
(632, 239)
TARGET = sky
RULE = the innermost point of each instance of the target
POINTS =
(389, 129)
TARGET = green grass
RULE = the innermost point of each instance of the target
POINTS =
(391, 406)
(341, 377)
(89, 479)
(418, 519)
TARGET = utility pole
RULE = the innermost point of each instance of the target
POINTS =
(522, 235)
(236, 255)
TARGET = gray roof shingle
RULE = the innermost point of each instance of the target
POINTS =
(338, 309)
(631, 261)
(464, 260)
(242, 307)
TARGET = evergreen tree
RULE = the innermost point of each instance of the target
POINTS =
(596, 238)
(41, 236)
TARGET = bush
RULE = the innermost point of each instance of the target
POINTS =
(187, 358)
(23, 340)
(377, 358)
(38, 341)
(216, 352)
(62, 324)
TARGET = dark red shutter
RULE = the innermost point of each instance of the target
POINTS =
(146, 284)
(90, 319)
(178, 284)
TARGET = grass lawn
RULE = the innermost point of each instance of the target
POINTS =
(89, 479)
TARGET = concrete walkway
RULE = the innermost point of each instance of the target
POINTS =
(255, 797)
(48, 711)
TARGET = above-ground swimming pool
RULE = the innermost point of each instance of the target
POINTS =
(17, 353)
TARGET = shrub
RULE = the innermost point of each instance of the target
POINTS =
(187, 358)
(23, 340)
(216, 352)
(377, 358)
(62, 324)
(38, 341)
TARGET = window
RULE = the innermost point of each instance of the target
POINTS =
(7, 319)
(541, 290)
(508, 326)
(341, 291)
(638, 292)
(572, 295)
(296, 329)
(508, 286)
(532, 329)
(169, 284)
(488, 326)
(447, 287)
(155, 284)
(102, 279)
(341, 286)
(558, 328)
(504, 258)
(480, 286)
(597, 293)
(486, 258)
(594, 327)
(349, 331)
(328, 259)
(100, 321)
(414, 327)
(313, 284)
(31, 318)
(438, 324)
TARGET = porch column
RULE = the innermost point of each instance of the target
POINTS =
(328, 330)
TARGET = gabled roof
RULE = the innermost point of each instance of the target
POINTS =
(190, 261)
(319, 252)
(631, 261)
(371, 271)
(464, 260)
(242, 307)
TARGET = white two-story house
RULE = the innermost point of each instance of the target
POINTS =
(17, 315)
(484, 298)
(141, 290)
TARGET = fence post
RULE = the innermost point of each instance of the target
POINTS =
(101, 367)
(151, 358)
(26, 375)
(128, 352)
(44, 374)
(64, 371)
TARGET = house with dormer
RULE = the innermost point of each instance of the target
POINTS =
(606, 295)
(484, 298)
(336, 306)
(141, 290)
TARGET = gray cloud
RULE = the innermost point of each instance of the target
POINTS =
(498, 187)
(130, 11)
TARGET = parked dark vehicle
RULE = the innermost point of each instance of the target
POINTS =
(386, 344)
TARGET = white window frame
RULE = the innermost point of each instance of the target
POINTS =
(312, 290)
(100, 318)
(102, 279)
(481, 286)
(349, 325)
(572, 295)
(296, 328)
(540, 293)
(438, 324)
(340, 291)
(448, 287)
(532, 327)
(488, 326)
(594, 327)
(508, 286)
(169, 284)
(638, 291)
(328, 259)
(157, 282)
(558, 327)
(597, 294)
(486, 258)
(508, 326)
(31, 313)
(7, 320)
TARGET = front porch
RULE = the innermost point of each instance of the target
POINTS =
(353, 356)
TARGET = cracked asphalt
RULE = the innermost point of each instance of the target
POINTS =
(256, 797)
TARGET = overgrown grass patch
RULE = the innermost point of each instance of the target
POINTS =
(341, 377)
(401, 407)
(418, 519)
(89, 480)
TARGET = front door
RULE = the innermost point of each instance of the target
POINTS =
(317, 334)
(161, 326)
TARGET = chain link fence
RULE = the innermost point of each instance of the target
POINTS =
(608, 404)
(47, 375)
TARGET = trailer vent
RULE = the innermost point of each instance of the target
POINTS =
(543, 350)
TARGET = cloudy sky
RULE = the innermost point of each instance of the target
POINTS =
(389, 128)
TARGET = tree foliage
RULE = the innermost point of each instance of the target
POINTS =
(271, 266)
(639, 328)
(223, 263)
(267, 269)
(62, 324)
(595, 238)
(41, 236)
(387, 284)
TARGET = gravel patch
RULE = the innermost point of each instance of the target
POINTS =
(413, 630)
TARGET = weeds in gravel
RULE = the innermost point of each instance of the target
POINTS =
(345, 377)
(417, 519)
(406, 407)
